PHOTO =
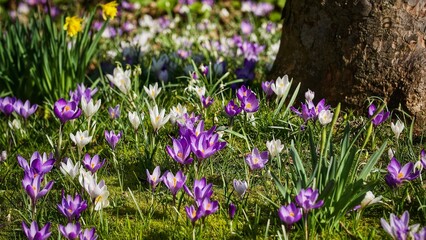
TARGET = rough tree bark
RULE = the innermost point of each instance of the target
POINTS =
(348, 50)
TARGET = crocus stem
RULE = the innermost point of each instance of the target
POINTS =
(117, 167)
(58, 150)
(33, 211)
(306, 226)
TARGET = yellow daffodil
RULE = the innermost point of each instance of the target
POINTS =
(73, 25)
(109, 10)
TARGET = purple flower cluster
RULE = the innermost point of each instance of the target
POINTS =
(34, 173)
(306, 200)
(82, 91)
(71, 208)
(310, 110)
(248, 100)
(204, 206)
(397, 174)
(259, 9)
(8, 105)
(381, 117)
(398, 228)
(195, 139)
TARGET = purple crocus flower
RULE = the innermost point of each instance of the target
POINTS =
(398, 227)
(231, 210)
(423, 158)
(34, 233)
(192, 213)
(6, 105)
(381, 117)
(266, 87)
(310, 111)
(114, 113)
(307, 199)
(180, 151)
(206, 145)
(397, 174)
(33, 188)
(247, 71)
(24, 109)
(174, 182)
(92, 163)
(82, 91)
(263, 9)
(201, 190)
(208, 207)
(421, 235)
(112, 138)
(72, 207)
(65, 110)
(70, 231)
(246, 27)
(250, 104)
(232, 109)
(88, 234)
(206, 101)
(256, 159)
(243, 92)
(155, 178)
(290, 214)
(38, 165)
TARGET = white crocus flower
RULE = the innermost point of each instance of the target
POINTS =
(397, 128)
(391, 153)
(135, 120)
(152, 91)
(98, 192)
(81, 139)
(69, 169)
(89, 108)
(177, 112)
(309, 95)
(370, 199)
(158, 119)
(3, 156)
(274, 147)
(418, 166)
(201, 91)
(240, 187)
(121, 79)
(325, 117)
(280, 86)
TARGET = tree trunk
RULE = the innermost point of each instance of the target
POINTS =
(348, 50)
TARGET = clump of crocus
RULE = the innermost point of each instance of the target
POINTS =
(381, 117)
(154, 178)
(274, 147)
(240, 187)
(256, 159)
(113, 138)
(200, 190)
(114, 112)
(72, 207)
(38, 164)
(32, 185)
(7, 105)
(201, 194)
(73, 25)
(290, 214)
(121, 79)
(88, 234)
(66, 110)
(34, 233)
(397, 174)
(24, 109)
(158, 118)
(307, 199)
(310, 111)
(398, 227)
(397, 128)
(93, 163)
(174, 182)
(71, 231)
(180, 151)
